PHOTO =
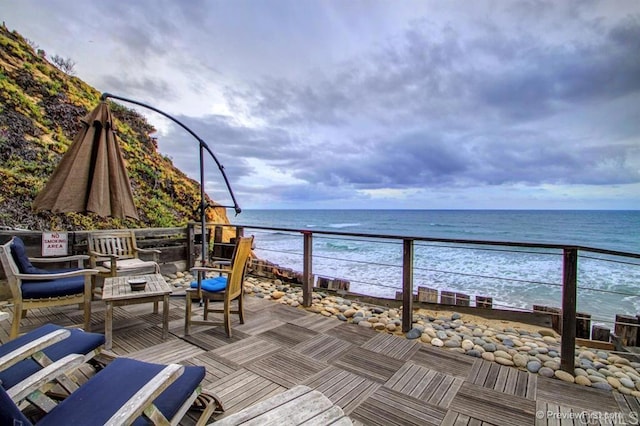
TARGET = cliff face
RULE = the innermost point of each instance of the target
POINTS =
(40, 109)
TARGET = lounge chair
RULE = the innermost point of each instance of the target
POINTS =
(29, 353)
(32, 287)
(126, 391)
(226, 289)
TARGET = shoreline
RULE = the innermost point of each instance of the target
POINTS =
(510, 343)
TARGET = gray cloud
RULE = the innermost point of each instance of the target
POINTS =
(447, 96)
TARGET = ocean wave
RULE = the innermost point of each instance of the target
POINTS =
(344, 225)
(341, 246)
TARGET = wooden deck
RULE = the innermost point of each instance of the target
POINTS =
(377, 379)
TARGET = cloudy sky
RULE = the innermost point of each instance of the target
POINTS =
(374, 104)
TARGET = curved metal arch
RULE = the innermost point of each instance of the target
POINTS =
(203, 147)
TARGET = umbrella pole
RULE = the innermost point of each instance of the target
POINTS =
(203, 207)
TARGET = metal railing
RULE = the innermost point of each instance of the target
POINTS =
(569, 255)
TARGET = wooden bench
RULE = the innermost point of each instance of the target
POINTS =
(296, 406)
(115, 253)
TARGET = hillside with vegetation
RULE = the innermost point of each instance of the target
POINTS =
(40, 110)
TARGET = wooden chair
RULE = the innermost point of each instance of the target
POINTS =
(226, 289)
(34, 288)
(116, 253)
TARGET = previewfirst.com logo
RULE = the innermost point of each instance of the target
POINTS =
(592, 417)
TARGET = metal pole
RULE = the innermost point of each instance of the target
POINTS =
(307, 274)
(203, 207)
(569, 298)
(407, 285)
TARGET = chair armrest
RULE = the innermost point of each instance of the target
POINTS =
(80, 258)
(140, 402)
(46, 277)
(28, 349)
(208, 269)
(51, 372)
(149, 251)
(58, 259)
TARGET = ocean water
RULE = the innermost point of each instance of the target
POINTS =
(515, 278)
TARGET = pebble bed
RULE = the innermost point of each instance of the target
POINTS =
(536, 352)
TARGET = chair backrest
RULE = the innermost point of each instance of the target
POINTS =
(119, 242)
(10, 269)
(239, 266)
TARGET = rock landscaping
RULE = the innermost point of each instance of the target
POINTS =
(535, 351)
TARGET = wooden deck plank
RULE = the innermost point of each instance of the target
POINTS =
(444, 361)
(493, 406)
(286, 313)
(387, 344)
(372, 365)
(322, 347)
(242, 389)
(453, 418)
(316, 322)
(352, 333)
(286, 367)
(629, 406)
(386, 407)
(211, 338)
(572, 395)
(343, 388)
(217, 367)
(246, 350)
(288, 335)
(173, 351)
(256, 326)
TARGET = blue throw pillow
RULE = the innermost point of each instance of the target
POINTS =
(19, 254)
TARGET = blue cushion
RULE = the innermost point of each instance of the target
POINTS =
(78, 342)
(10, 414)
(19, 254)
(97, 399)
(52, 288)
(212, 285)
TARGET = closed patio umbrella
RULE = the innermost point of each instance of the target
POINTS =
(91, 176)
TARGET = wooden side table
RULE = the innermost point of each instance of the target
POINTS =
(117, 292)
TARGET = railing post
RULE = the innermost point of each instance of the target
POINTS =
(569, 298)
(190, 247)
(239, 231)
(407, 285)
(307, 274)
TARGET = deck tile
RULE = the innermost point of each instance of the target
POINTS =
(286, 367)
(323, 347)
(390, 345)
(427, 385)
(246, 350)
(343, 388)
(369, 364)
(492, 406)
(447, 362)
(386, 407)
(287, 335)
